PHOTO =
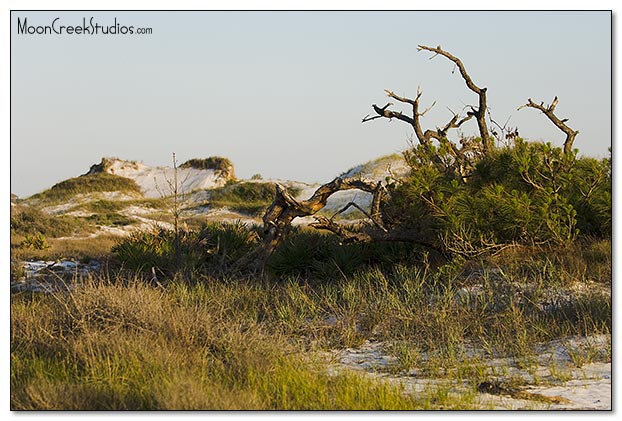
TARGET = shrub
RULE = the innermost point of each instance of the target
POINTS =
(590, 195)
(36, 241)
(323, 257)
(527, 193)
(28, 220)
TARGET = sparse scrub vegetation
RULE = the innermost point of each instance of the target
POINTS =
(37, 235)
(28, 220)
(217, 163)
(89, 183)
(79, 249)
(210, 334)
(214, 248)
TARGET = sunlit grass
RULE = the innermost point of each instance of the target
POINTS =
(198, 342)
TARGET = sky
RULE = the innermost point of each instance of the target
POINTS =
(282, 94)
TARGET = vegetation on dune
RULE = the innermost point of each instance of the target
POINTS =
(38, 235)
(244, 197)
(134, 347)
(223, 166)
(28, 220)
(214, 248)
(105, 164)
(206, 334)
(524, 193)
(89, 183)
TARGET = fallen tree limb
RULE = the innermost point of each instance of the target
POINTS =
(374, 235)
(285, 208)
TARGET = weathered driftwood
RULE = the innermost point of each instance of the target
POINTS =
(284, 208)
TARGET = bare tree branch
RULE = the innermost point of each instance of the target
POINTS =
(561, 124)
(395, 235)
(386, 113)
(368, 118)
(426, 137)
(349, 205)
(480, 113)
(415, 118)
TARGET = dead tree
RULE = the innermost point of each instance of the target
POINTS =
(480, 112)
(285, 208)
(465, 155)
(560, 124)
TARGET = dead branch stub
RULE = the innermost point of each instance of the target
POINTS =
(549, 112)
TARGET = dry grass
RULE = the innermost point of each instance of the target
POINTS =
(133, 346)
(195, 342)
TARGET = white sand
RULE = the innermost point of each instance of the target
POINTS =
(157, 182)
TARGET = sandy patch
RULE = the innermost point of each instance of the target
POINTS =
(554, 382)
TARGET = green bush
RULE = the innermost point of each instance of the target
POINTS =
(590, 194)
(36, 241)
(323, 257)
(528, 193)
(27, 220)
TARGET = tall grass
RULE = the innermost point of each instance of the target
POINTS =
(128, 347)
(197, 341)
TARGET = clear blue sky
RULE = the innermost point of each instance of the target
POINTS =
(283, 93)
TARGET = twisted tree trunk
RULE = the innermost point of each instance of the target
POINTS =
(284, 208)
